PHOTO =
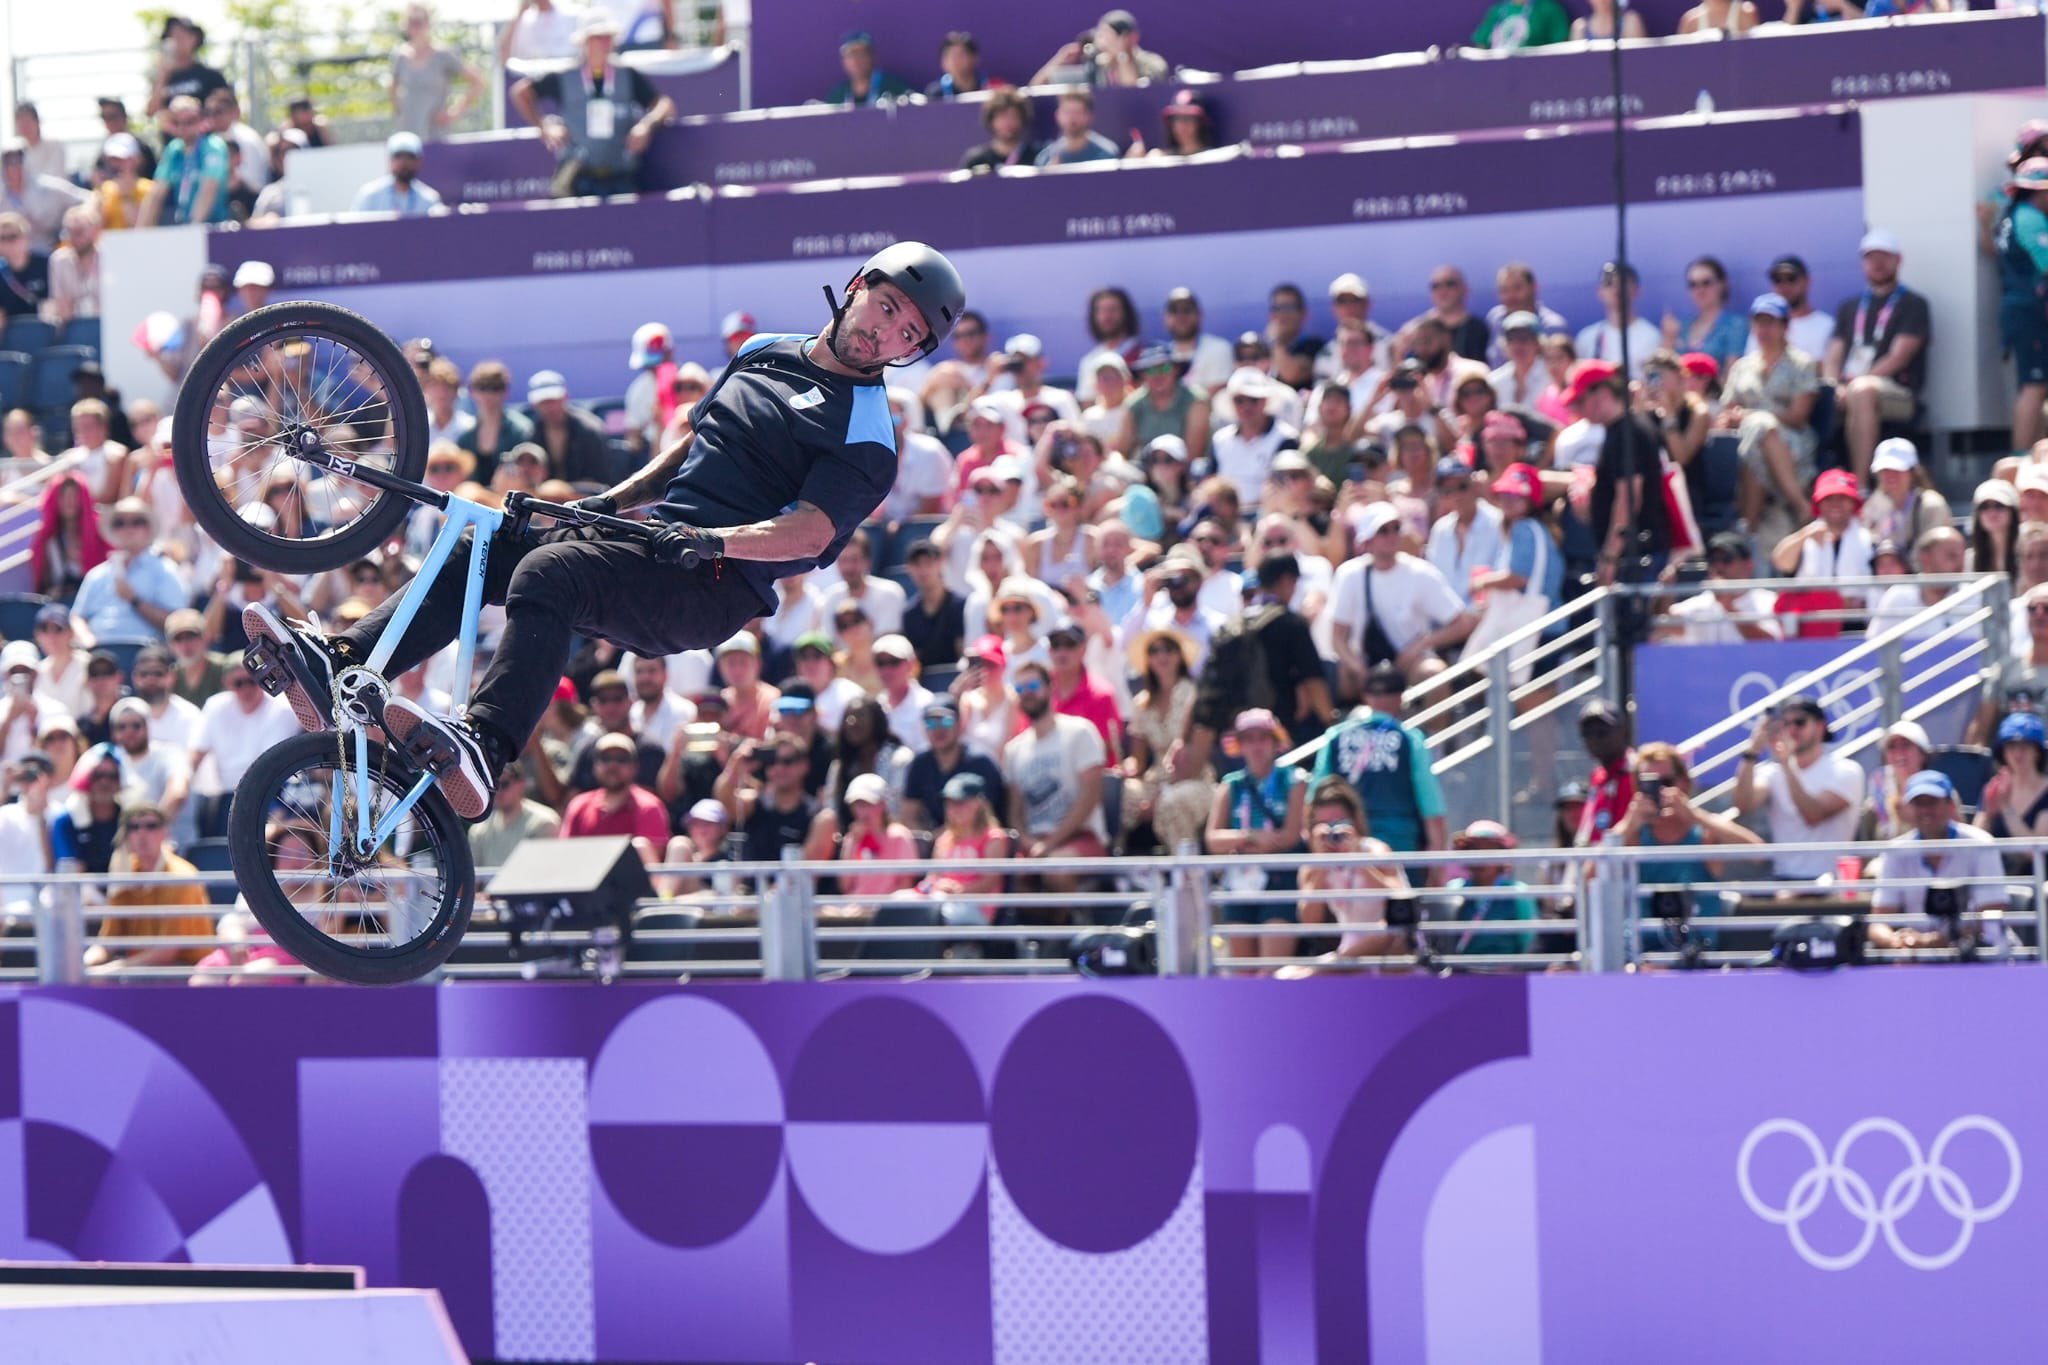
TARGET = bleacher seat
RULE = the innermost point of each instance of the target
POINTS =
(51, 387)
(211, 855)
(56, 425)
(1721, 463)
(18, 614)
(890, 554)
(15, 367)
(939, 679)
(1969, 766)
(124, 651)
(28, 334)
(81, 332)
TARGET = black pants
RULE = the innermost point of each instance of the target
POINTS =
(554, 585)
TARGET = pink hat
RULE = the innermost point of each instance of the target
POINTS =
(1500, 423)
(1588, 375)
(989, 649)
(1836, 483)
(1519, 480)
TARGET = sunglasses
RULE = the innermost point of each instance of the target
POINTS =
(1180, 308)
(1338, 830)
(444, 467)
(1797, 722)
(1443, 284)
(1030, 688)
(614, 756)
(127, 523)
(1277, 543)
(145, 827)
(892, 663)
(940, 722)
(2038, 609)
(1164, 647)
(1208, 541)
(1785, 276)
(53, 628)
(128, 725)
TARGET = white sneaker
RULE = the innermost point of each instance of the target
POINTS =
(449, 749)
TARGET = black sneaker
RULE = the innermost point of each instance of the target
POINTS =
(291, 661)
(450, 749)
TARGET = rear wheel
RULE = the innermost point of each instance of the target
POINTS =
(285, 378)
(391, 917)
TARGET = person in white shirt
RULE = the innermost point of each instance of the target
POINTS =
(1514, 285)
(1392, 607)
(1931, 807)
(881, 598)
(1171, 599)
(1807, 329)
(903, 697)
(1938, 551)
(25, 848)
(25, 711)
(1351, 302)
(657, 713)
(172, 720)
(1835, 544)
(1810, 795)
(540, 31)
(1602, 340)
(1522, 377)
(1023, 364)
(1054, 768)
(161, 771)
(1206, 361)
(60, 673)
(1467, 536)
(237, 725)
(1709, 618)
(1244, 450)
(924, 467)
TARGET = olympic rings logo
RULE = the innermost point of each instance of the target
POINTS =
(1831, 1172)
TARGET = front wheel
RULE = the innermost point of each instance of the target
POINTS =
(376, 921)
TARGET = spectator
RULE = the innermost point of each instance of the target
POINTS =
(1258, 812)
(67, 544)
(1078, 141)
(1331, 893)
(573, 438)
(946, 755)
(495, 429)
(1076, 693)
(2015, 800)
(224, 116)
(657, 714)
(1294, 349)
(618, 805)
(1387, 763)
(102, 461)
(1878, 355)
(1599, 24)
(935, 621)
(140, 847)
(24, 272)
(1725, 616)
(1939, 551)
(277, 202)
(1523, 581)
(1515, 25)
(60, 675)
(1166, 407)
(1189, 129)
(1904, 752)
(1390, 607)
(236, 726)
(817, 669)
(1023, 362)
(871, 836)
(865, 83)
(172, 720)
(540, 31)
(29, 710)
(903, 698)
(604, 119)
(881, 599)
(1663, 814)
(402, 191)
(1479, 838)
(969, 833)
(1205, 360)
(1054, 769)
(1720, 16)
(127, 185)
(1449, 299)
(114, 119)
(1244, 451)
(959, 68)
(1006, 115)
(2020, 246)
(1113, 327)
(191, 183)
(1171, 597)
(1558, 358)
(1809, 795)
(199, 675)
(1603, 340)
(74, 269)
(1603, 733)
(1994, 526)
(1906, 504)
(1112, 55)
(1468, 537)
(43, 156)
(513, 819)
(301, 116)
(864, 744)
(25, 838)
(133, 593)
(924, 467)
(57, 736)
(1521, 379)
(1326, 442)
(763, 787)
(1514, 286)
(1351, 302)
(179, 72)
(424, 74)
(1807, 328)
(85, 828)
(611, 710)
(103, 689)
(1714, 330)
(1976, 872)
(1625, 501)
(1683, 417)
(159, 769)
(1170, 808)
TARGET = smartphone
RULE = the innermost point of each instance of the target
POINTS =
(19, 687)
(1653, 787)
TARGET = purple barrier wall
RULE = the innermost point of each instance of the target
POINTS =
(1809, 66)
(1499, 1169)
(1034, 245)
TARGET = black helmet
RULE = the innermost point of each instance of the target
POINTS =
(927, 279)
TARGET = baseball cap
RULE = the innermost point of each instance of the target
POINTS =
(964, 787)
(1122, 20)
(1063, 633)
(402, 144)
(1877, 239)
(742, 643)
(2033, 478)
(710, 812)
(868, 787)
(650, 340)
(183, 621)
(1171, 446)
(1181, 294)
(1007, 469)
(295, 136)
(1376, 517)
(1789, 262)
(257, 273)
(1024, 344)
(597, 23)
(1998, 491)
(1290, 462)
(1600, 711)
(1913, 733)
(943, 704)
(606, 678)
(1452, 467)
(1385, 680)
(2031, 174)
(53, 614)
(612, 739)
(1807, 706)
(987, 409)
(546, 384)
(1573, 793)
(1256, 719)
(1246, 382)
(1701, 364)
(1894, 452)
(129, 706)
(813, 639)
(1153, 358)
(19, 654)
(1836, 483)
(989, 649)
(2022, 727)
(1731, 543)
(1520, 480)
(1351, 285)
(794, 702)
(565, 690)
(1770, 304)
(893, 647)
(1588, 375)
(1492, 831)
(736, 323)
(1521, 320)
(121, 145)
(1928, 782)
(1503, 423)
(856, 37)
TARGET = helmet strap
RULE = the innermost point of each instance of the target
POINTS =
(838, 307)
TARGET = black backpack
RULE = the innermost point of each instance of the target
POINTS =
(1237, 661)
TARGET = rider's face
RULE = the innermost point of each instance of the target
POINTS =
(880, 326)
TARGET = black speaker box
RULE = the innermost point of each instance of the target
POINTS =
(569, 884)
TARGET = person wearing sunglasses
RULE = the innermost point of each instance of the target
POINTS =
(236, 725)
(1725, 616)
(132, 593)
(1810, 795)
(1054, 769)
(158, 770)
(141, 844)
(2022, 678)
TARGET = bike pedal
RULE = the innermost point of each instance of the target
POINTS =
(429, 752)
(268, 667)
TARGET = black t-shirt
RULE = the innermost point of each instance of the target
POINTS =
(987, 155)
(513, 428)
(1649, 445)
(197, 80)
(1902, 313)
(586, 455)
(22, 291)
(768, 831)
(776, 430)
(925, 783)
(1291, 659)
(936, 636)
(1470, 338)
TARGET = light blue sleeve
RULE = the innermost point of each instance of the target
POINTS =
(1522, 551)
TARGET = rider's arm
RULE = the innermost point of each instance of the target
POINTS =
(648, 482)
(803, 532)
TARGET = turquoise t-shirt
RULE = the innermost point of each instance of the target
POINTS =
(1388, 763)
(185, 171)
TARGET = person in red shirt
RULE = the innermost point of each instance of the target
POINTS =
(1604, 732)
(1074, 693)
(618, 805)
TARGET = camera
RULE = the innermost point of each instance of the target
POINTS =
(1403, 911)
(1944, 904)
(1653, 787)
(1064, 448)
(1670, 905)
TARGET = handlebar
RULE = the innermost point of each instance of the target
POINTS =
(521, 508)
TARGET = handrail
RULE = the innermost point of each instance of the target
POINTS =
(38, 476)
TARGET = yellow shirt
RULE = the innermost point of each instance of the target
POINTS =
(119, 210)
(181, 926)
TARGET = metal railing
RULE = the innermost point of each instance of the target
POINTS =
(1180, 915)
(21, 514)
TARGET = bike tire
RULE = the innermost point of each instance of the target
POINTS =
(249, 823)
(237, 345)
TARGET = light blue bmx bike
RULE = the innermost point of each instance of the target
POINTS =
(299, 437)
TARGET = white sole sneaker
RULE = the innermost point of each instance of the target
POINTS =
(461, 770)
(310, 688)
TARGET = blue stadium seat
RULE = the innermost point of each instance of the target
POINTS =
(937, 680)
(28, 334)
(81, 332)
(124, 651)
(18, 614)
(51, 387)
(211, 855)
(15, 367)
(1721, 459)
(56, 425)
(889, 551)
(1969, 766)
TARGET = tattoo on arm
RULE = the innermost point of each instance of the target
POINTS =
(645, 485)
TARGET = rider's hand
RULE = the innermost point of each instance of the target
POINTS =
(604, 504)
(672, 544)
